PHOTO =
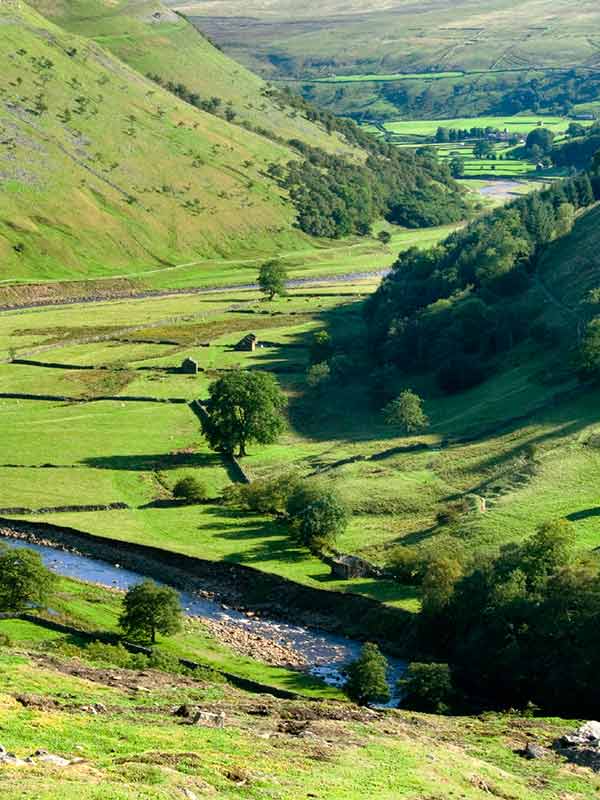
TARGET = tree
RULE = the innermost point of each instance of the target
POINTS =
(546, 552)
(406, 412)
(542, 138)
(589, 351)
(438, 583)
(483, 149)
(457, 167)
(427, 687)
(272, 278)
(565, 220)
(149, 609)
(317, 514)
(317, 375)
(243, 407)
(189, 489)
(385, 237)
(367, 677)
(321, 348)
(576, 129)
(24, 580)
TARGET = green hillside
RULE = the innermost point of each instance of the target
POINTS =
(117, 728)
(153, 39)
(102, 169)
(107, 172)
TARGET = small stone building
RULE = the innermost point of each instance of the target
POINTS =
(345, 567)
(247, 344)
(189, 366)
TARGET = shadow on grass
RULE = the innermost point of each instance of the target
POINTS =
(383, 590)
(151, 462)
(269, 537)
(587, 513)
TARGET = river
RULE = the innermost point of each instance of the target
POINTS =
(325, 653)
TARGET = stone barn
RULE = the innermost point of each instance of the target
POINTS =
(189, 366)
(247, 344)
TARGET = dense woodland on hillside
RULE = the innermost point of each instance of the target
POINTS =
(335, 198)
(451, 309)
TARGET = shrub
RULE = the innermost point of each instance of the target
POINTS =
(265, 495)
(189, 489)
(427, 687)
(450, 514)
(317, 514)
(367, 681)
(113, 654)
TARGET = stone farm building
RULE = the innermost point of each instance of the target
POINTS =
(248, 343)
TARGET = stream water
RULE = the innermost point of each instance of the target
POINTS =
(325, 653)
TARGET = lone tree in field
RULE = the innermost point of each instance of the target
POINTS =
(149, 609)
(24, 580)
(272, 278)
(243, 407)
(317, 514)
(406, 412)
(385, 237)
(366, 677)
(457, 167)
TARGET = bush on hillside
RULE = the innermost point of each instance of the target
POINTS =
(367, 682)
(318, 514)
(190, 489)
(427, 687)
(264, 495)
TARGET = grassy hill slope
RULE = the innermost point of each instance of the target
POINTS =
(402, 36)
(131, 745)
(152, 39)
(102, 169)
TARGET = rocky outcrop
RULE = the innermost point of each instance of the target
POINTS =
(39, 757)
(581, 746)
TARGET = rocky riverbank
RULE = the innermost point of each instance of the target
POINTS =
(253, 645)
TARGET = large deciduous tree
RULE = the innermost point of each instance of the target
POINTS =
(243, 407)
(24, 580)
(406, 412)
(149, 609)
(272, 278)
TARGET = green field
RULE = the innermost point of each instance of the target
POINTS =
(514, 124)
(412, 133)
(398, 76)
